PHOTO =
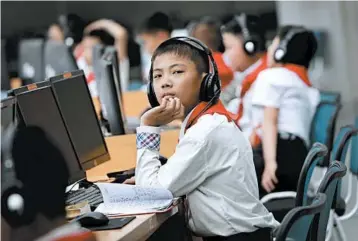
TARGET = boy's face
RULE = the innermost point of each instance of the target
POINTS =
(176, 76)
(88, 43)
(271, 51)
(55, 33)
(239, 60)
(151, 41)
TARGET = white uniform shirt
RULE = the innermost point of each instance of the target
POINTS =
(283, 89)
(213, 166)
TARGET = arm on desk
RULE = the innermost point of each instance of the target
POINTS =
(183, 172)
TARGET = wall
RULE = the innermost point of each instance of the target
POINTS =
(339, 19)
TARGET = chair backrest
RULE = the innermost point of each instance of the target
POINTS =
(330, 96)
(31, 60)
(354, 152)
(323, 126)
(297, 222)
(340, 147)
(328, 186)
(317, 152)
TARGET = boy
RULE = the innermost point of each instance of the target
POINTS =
(40, 175)
(244, 43)
(212, 165)
(152, 32)
(283, 105)
(207, 30)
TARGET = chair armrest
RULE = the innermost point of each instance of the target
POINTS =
(278, 195)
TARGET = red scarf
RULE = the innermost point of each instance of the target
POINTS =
(302, 73)
(217, 108)
(247, 83)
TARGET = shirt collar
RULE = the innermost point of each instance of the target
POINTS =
(183, 125)
(252, 67)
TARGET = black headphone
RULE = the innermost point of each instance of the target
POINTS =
(14, 209)
(210, 86)
(281, 51)
(251, 41)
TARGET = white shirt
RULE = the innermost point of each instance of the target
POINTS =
(283, 89)
(213, 166)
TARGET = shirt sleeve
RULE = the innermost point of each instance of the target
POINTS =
(266, 92)
(183, 172)
(92, 86)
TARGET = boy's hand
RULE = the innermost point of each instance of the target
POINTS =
(170, 109)
(269, 179)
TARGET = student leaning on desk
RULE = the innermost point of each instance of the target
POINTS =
(212, 165)
(34, 177)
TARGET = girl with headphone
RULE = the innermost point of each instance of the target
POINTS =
(212, 165)
(283, 105)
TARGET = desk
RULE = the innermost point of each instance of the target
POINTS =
(122, 150)
(135, 102)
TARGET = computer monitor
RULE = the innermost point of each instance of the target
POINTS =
(31, 65)
(5, 81)
(7, 111)
(80, 118)
(110, 54)
(38, 107)
(58, 59)
(109, 96)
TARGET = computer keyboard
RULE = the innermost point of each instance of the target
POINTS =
(91, 194)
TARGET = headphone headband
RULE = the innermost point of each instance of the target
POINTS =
(281, 50)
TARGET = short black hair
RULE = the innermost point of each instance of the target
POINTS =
(253, 25)
(42, 169)
(103, 36)
(301, 48)
(179, 48)
(212, 37)
(157, 22)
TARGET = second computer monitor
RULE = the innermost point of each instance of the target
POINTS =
(80, 118)
(109, 96)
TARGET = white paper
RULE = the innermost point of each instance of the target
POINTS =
(129, 199)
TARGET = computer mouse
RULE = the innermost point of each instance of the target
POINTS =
(92, 219)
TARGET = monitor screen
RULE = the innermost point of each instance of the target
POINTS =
(110, 98)
(38, 107)
(78, 112)
(7, 112)
(58, 59)
(31, 59)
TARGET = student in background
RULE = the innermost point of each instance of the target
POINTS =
(244, 43)
(207, 30)
(212, 165)
(152, 32)
(120, 36)
(34, 178)
(283, 105)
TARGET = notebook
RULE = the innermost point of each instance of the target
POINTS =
(122, 199)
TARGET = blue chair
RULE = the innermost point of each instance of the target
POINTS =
(297, 223)
(339, 153)
(330, 96)
(353, 172)
(323, 126)
(329, 184)
(280, 203)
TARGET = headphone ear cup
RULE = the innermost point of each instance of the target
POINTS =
(14, 209)
(208, 87)
(279, 54)
(250, 47)
(152, 98)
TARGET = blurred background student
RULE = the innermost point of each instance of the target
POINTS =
(283, 105)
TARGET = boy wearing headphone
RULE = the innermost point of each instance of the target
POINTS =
(283, 105)
(34, 176)
(212, 165)
(244, 43)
